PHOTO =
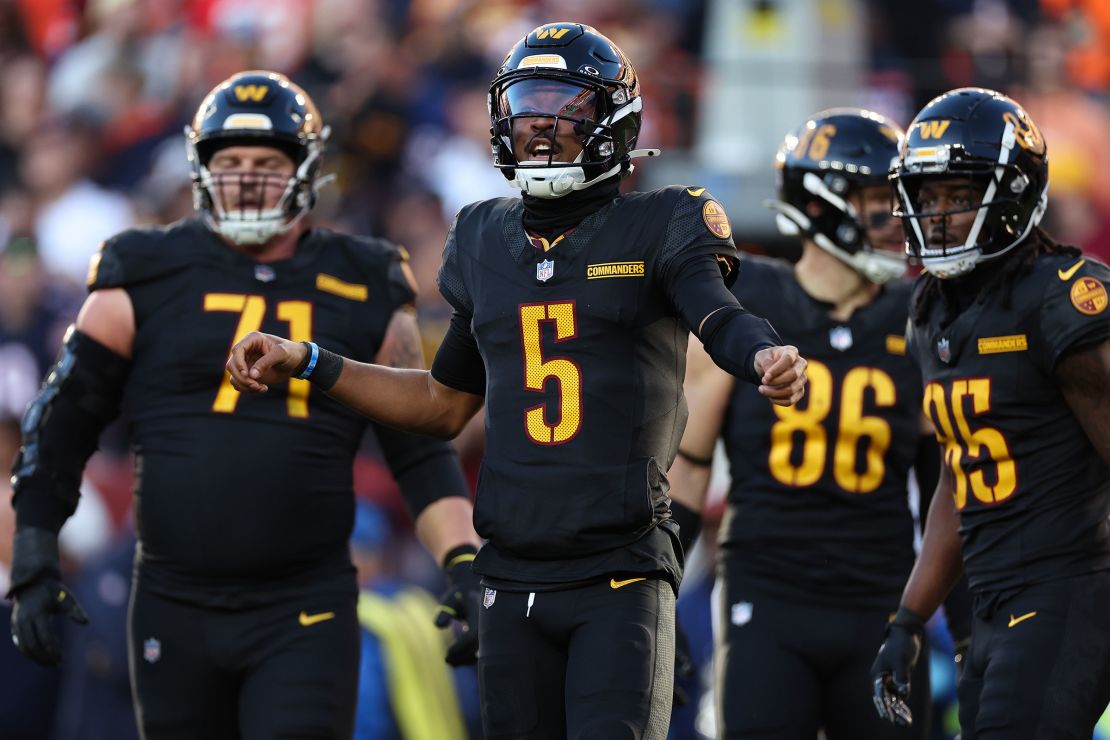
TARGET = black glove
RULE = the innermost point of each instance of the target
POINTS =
(461, 602)
(39, 594)
(891, 669)
(683, 666)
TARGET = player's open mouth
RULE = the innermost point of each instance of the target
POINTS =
(542, 149)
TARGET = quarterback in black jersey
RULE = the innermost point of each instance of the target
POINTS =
(1012, 332)
(572, 308)
(243, 615)
(818, 536)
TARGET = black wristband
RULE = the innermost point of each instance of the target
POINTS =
(701, 462)
(328, 368)
(458, 555)
(689, 524)
(910, 620)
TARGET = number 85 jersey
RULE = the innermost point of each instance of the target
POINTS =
(584, 359)
(1032, 492)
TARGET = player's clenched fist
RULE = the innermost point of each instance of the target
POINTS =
(258, 359)
(782, 374)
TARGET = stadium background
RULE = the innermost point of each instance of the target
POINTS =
(94, 95)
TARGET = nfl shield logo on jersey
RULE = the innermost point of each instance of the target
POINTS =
(489, 598)
(944, 349)
(840, 337)
(152, 650)
(545, 270)
(264, 273)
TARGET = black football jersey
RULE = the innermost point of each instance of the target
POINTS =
(231, 489)
(1032, 492)
(584, 359)
(818, 500)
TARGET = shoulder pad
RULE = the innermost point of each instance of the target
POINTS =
(1074, 307)
(378, 261)
(698, 223)
(139, 255)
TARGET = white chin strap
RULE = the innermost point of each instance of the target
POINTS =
(877, 266)
(541, 181)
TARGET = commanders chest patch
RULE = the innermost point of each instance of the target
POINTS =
(895, 344)
(1088, 295)
(335, 286)
(998, 345)
(615, 270)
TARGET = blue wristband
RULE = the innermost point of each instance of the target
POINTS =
(314, 355)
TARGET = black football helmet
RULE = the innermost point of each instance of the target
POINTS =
(987, 138)
(256, 108)
(824, 161)
(567, 72)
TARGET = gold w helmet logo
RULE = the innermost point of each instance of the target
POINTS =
(253, 93)
(554, 33)
(932, 129)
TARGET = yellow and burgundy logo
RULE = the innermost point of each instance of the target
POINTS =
(1088, 295)
(552, 32)
(932, 129)
(250, 93)
(716, 220)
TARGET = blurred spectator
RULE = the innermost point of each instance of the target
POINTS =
(74, 214)
(34, 312)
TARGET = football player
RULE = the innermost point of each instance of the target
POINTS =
(1012, 333)
(571, 311)
(819, 535)
(243, 619)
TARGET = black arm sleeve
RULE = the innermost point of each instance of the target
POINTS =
(426, 469)
(458, 364)
(731, 335)
(61, 427)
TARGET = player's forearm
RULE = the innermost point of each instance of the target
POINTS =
(690, 481)
(403, 398)
(940, 564)
(446, 524)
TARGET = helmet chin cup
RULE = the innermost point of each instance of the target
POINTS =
(547, 182)
(952, 266)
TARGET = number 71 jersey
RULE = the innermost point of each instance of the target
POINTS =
(584, 359)
(277, 467)
(1032, 492)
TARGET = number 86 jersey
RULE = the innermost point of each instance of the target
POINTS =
(818, 498)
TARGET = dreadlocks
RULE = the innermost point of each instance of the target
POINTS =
(1013, 265)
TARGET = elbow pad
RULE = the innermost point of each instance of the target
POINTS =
(732, 336)
(426, 469)
(61, 428)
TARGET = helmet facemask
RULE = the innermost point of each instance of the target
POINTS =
(1007, 204)
(604, 119)
(235, 204)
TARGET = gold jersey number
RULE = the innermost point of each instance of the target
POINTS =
(806, 425)
(538, 369)
(252, 310)
(960, 442)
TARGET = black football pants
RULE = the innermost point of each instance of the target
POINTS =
(786, 669)
(1039, 665)
(589, 663)
(288, 670)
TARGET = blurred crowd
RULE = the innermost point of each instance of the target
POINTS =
(94, 95)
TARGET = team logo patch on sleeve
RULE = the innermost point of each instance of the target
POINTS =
(716, 220)
(1088, 295)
